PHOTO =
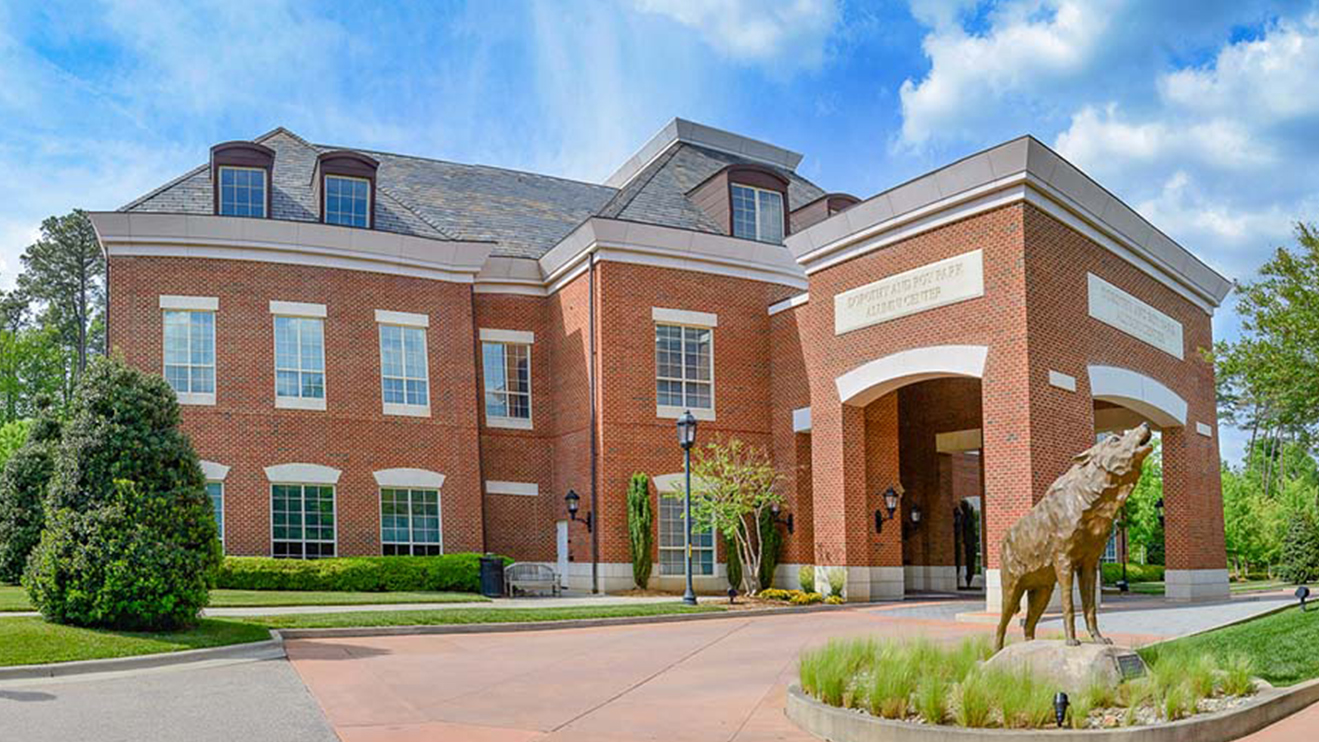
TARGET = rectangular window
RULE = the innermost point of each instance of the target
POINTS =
(757, 214)
(403, 370)
(347, 201)
(215, 490)
(302, 521)
(684, 369)
(242, 191)
(672, 556)
(507, 369)
(300, 360)
(410, 522)
(190, 355)
(1110, 549)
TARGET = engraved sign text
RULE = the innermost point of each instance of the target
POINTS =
(1113, 306)
(934, 285)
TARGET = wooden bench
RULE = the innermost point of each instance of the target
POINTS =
(525, 577)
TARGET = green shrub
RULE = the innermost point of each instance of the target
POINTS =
(771, 547)
(460, 572)
(733, 563)
(806, 578)
(1300, 550)
(22, 488)
(806, 599)
(835, 600)
(640, 528)
(1135, 573)
(837, 580)
(130, 539)
(12, 436)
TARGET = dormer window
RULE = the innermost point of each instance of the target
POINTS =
(347, 201)
(240, 178)
(345, 185)
(242, 191)
(757, 213)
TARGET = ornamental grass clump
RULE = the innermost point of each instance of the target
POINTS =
(932, 698)
(975, 701)
(1023, 700)
(1237, 679)
(829, 672)
(892, 680)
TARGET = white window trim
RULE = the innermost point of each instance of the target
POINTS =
(265, 190)
(523, 489)
(406, 478)
(517, 337)
(297, 309)
(192, 304)
(334, 512)
(325, 206)
(701, 320)
(403, 409)
(380, 510)
(214, 472)
(506, 338)
(302, 474)
(783, 211)
(300, 311)
(405, 319)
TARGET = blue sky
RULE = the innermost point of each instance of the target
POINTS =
(1200, 115)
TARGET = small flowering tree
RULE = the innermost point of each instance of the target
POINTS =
(733, 485)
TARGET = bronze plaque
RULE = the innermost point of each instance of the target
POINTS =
(1130, 666)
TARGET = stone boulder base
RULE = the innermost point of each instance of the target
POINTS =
(1072, 669)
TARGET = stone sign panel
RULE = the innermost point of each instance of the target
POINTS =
(933, 285)
(1113, 306)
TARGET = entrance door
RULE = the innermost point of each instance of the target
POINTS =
(562, 551)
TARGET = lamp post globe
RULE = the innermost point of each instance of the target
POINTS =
(686, 439)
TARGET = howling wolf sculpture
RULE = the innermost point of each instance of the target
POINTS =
(1064, 534)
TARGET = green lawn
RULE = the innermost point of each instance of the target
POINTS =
(1156, 588)
(30, 641)
(1281, 646)
(12, 598)
(473, 615)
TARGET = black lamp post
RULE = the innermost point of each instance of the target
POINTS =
(686, 439)
(890, 504)
(574, 501)
(774, 511)
(1122, 584)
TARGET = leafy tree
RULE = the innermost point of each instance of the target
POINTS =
(1300, 550)
(1140, 512)
(130, 539)
(12, 437)
(640, 528)
(32, 366)
(64, 273)
(23, 481)
(733, 486)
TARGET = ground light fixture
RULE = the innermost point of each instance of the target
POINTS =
(687, 439)
(574, 501)
(1302, 593)
(774, 512)
(891, 496)
(1060, 704)
(732, 595)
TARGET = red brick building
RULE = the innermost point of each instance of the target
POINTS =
(380, 354)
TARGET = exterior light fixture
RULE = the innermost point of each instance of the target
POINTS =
(891, 496)
(574, 501)
(687, 439)
(1060, 704)
(915, 515)
(775, 511)
(1158, 507)
(1302, 593)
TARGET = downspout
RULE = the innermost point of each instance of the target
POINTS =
(595, 513)
(478, 369)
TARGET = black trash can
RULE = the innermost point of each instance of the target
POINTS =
(492, 576)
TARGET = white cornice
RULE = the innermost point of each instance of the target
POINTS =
(1020, 170)
(682, 130)
(288, 242)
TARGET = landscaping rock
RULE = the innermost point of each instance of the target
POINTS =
(1072, 669)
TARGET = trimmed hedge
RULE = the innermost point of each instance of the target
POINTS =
(1135, 573)
(450, 572)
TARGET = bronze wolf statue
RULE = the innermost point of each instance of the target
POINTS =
(1064, 534)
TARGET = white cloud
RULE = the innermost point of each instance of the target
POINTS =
(787, 34)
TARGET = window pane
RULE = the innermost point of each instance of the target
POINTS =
(393, 391)
(286, 343)
(312, 344)
(215, 490)
(414, 346)
(770, 216)
(744, 212)
(492, 362)
(391, 350)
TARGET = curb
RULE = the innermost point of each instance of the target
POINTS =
(843, 725)
(272, 648)
(573, 623)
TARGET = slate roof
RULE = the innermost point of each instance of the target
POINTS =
(525, 213)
